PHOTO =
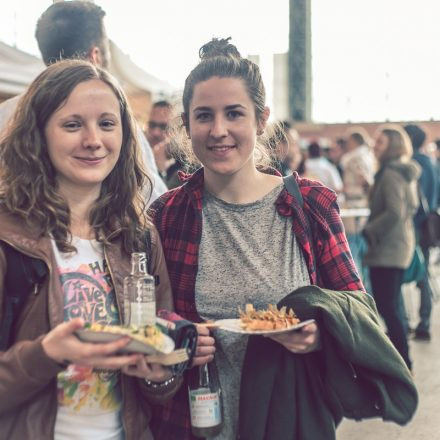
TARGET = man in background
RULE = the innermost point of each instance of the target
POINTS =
(358, 167)
(428, 187)
(157, 134)
(75, 29)
(320, 168)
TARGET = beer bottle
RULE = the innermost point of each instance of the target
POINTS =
(205, 402)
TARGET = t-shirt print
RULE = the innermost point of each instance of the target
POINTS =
(88, 293)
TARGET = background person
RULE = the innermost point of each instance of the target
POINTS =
(390, 231)
(428, 186)
(71, 196)
(358, 165)
(320, 168)
(75, 29)
(158, 128)
(284, 146)
(335, 153)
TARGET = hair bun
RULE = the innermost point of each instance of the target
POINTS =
(218, 47)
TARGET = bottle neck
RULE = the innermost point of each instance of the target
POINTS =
(138, 263)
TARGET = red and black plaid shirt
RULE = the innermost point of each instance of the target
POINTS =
(178, 217)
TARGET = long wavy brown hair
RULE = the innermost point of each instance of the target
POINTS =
(28, 178)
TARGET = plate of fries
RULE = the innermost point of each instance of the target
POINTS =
(261, 322)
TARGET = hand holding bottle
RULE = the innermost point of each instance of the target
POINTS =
(205, 347)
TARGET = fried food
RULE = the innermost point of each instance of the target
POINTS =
(270, 319)
(149, 334)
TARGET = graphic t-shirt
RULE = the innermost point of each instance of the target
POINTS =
(89, 400)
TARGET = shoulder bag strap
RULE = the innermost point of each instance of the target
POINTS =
(293, 189)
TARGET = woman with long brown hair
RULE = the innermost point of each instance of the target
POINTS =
(390, 231)
(71, 181)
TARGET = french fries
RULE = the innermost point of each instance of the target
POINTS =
(270, 319)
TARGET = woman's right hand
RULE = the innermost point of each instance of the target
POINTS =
(205, 347)
(62, 346)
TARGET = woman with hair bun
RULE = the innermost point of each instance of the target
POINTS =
(233, 234)
(71, 182)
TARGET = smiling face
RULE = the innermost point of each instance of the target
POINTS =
(223, 126)
(84, 137)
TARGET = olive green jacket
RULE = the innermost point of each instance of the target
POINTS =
(393, 203)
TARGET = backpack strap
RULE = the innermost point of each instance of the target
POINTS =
(293, 189)
(23, 275)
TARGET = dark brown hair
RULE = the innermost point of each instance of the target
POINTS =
(219, 58)
(28, 178)
(70, 30)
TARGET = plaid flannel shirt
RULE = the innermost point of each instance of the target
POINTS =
(178, 217)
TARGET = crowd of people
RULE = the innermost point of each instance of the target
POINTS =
(397, 177)
(238, 212)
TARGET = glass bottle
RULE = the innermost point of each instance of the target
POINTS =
(139, 293)
(205, 402)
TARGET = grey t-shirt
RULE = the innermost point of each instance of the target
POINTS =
(248, 254)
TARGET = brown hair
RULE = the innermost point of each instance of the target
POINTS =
(219, 58)
(399, 143)
(28, 178)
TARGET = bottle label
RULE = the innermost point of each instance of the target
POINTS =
(142, 313)
(205, 408)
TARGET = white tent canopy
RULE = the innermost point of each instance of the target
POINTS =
(18, 69)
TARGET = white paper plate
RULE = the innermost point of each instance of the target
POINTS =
(133, 346)
(233, 325)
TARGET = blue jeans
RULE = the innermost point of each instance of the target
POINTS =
(425, 297)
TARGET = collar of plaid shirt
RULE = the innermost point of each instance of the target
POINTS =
(178, 218)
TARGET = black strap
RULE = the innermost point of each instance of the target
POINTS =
(149, 252)
(293, 189)
(23, 275)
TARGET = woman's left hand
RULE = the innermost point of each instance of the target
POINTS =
(154, 372)
(301, 341)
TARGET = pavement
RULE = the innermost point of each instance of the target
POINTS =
(426, 363)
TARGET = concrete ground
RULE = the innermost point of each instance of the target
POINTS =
(426, 360)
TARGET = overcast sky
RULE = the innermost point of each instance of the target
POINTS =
(372, 59)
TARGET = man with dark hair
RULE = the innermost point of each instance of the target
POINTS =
(428, 186)
(320, 168)
(75, 29)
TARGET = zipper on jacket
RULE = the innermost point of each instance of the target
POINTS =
(353, 371)
(121, 382)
